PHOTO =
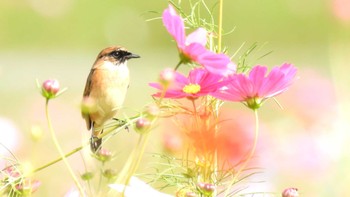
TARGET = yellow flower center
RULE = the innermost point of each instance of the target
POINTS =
(192, 88)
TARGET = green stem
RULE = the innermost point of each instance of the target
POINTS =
(195, 113)
(118, 127)
(133, 161)
(256, 135)
(100, 178)
(143, 144)
(59, 149)
(78, 149)
(215, 162)
(178, 65)
(85, 167)
(57, 160)
(220, 25)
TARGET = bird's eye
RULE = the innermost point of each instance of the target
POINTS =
(115, 54)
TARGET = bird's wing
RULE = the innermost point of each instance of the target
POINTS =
(87, 90)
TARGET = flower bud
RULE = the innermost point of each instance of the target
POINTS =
(152, 111)
(110, 174)
(104, 155)
(167, 76)
(142, 125)
(206, 188)
(50, 88)
(87, 176)
(254, 103)
(12, 171)
(27, 187)
(290, 192)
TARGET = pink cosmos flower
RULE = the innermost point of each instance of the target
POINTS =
(257, 87)
(192, 47)
(200, 82)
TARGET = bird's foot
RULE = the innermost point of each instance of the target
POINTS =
(122, 123)
(95, 144)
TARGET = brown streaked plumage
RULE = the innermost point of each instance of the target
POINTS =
(106, 86)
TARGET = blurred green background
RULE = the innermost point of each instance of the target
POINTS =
(304, 145)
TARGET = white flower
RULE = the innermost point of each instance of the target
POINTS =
(137, 188)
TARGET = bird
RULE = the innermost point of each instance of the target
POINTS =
(106, 86)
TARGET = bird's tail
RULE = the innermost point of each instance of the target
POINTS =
(95, 141)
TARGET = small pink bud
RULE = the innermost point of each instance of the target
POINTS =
(206, 188)
(28, 187)
(104, 155)
(50, 88)
(105, 152)
(167, 76)
(12, 171)
(152, 111)
(142, 125)
(290, 192)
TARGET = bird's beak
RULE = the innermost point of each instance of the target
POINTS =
(131, 55)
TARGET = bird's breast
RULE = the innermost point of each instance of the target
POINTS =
(109, 91)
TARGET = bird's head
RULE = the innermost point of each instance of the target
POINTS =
(116, 55)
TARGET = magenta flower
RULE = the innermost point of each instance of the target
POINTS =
(257, 87)
(192, 47)
(200, 82)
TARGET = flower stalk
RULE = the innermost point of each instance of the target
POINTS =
(105, 133)
(133, 162)
(250, 156)
(58, 159)
(59, 149)
(221, 5)
(178, 65)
